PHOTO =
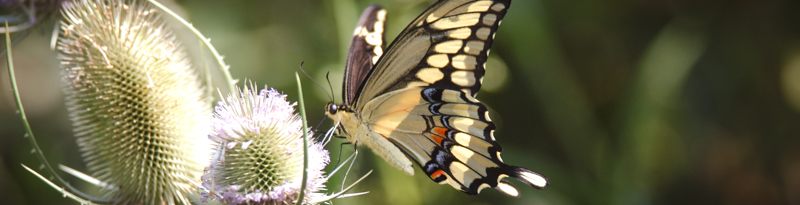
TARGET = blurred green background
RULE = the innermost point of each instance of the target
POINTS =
(616, 102)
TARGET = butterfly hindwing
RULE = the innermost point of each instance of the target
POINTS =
(448, 134)
(419, 102)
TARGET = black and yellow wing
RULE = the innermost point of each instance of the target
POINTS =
(366, 47)
(418, 101)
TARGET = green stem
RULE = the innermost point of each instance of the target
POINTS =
(65, 192)
(207, 42)
(305, 139)
(27, 125)
(209, 81)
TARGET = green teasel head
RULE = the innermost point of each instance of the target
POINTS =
(259, 157)
(139, 110)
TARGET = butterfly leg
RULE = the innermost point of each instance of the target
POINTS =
(331, 133)
(338, 158)
(355, 155)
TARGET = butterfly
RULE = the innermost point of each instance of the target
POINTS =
(415, 101)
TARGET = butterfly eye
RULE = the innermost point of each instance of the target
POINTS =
(332, 108)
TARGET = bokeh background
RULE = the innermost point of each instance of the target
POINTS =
(616, 102)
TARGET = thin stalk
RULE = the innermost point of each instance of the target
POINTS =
(27, 125)
(207, 70)
(302, 109)
(207, 42)
(60, 189)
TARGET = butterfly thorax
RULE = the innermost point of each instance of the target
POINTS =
(359, 132)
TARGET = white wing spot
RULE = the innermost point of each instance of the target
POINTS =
(463, 78)
(498, 7)
(373, 39)
(507, 189)
(360, 31)
(489, 19)
(457, 21)
(483, 33)
(533, 178)
(451, 46)
(461, 33)
(462, 138)
(464, 62)
(381, 15)
(430, 75)
(480, 6)
(438, 60)
(474, 47)
(498, 153)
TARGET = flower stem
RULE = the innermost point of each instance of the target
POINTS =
(27, 125)
(207, 42)
(305, 139)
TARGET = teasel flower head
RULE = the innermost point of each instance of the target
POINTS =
(139, 110)
(259, 158)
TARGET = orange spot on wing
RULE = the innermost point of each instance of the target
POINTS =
(437, 139)
(439, 131)
(436, 174)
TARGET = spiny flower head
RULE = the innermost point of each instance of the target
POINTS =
(139, 110)
(259, 156)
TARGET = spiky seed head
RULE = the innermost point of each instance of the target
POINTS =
(139, 112)
(259, 155)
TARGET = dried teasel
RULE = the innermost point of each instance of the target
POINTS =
(139, 110)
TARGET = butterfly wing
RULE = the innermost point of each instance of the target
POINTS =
(366, 48)
(445, 46)
(420, 97)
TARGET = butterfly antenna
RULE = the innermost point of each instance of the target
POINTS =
(329, 84)
(315, 82)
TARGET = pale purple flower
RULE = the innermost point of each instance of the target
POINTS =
(259, 155)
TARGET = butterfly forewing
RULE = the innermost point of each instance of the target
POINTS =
(366, 47)
(446, 46)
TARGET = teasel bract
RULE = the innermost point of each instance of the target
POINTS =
(259, 158)
(138, 107)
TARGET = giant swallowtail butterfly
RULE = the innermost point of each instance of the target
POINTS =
(416, 102)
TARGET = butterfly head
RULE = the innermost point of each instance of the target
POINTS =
(331, 109)
(334, 111)
(338, 113)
